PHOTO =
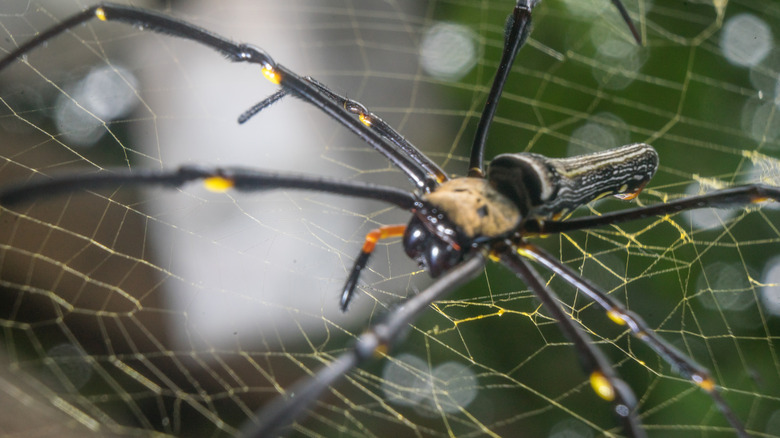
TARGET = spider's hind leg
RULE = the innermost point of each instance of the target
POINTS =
(603, 378)
(682, 364)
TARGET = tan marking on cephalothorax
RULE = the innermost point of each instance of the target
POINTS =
(475, 207)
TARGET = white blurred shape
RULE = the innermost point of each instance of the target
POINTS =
(409, 381)
(104, 94)
(746, 40)
(448, 51)
(770, 292)
(724, 286)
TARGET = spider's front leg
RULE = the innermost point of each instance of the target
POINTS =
(383, 141)
(373, 236)
(374, 343)
(433, 246)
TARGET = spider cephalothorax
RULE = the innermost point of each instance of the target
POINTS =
(452, 218)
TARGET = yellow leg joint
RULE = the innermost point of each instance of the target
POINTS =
(365, 119)
(100, 14)
(601, 385)
(524, 253)
(616, 316)
(705, 382)
(476, 172)
(271, 74)
(218, 184)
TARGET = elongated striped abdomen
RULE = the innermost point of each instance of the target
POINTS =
(543, 186)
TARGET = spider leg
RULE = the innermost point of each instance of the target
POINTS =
(265, 103)
(214, 178)
(684, 365)
(603, 377)
(627, 19)
(237, 52)
(518, 28)
(221, 179)
(375, 342)
(375, 122)
(372, 238)
(732, 197)
(364, 115)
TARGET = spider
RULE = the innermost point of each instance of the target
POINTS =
(457, 224)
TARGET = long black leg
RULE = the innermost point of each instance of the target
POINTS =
(519, 26)
(215, 178)
(375, 122)
(364, 115)
(627, 19)
(368, 118)
(375, 342)
(265, 103)
(733, 197)
(518, 29)
(236, 52)
(602, 376)
(220, 179)
(681, 363)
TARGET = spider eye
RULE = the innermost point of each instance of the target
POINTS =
(428, 249)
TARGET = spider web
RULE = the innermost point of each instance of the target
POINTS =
(181, 312)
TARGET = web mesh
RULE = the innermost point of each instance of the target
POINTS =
(182, 312)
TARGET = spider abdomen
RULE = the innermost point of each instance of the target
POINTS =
(544, 187)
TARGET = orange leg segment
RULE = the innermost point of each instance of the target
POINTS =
(372, 238)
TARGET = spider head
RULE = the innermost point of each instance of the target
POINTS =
(433, 241)
(458, 215)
